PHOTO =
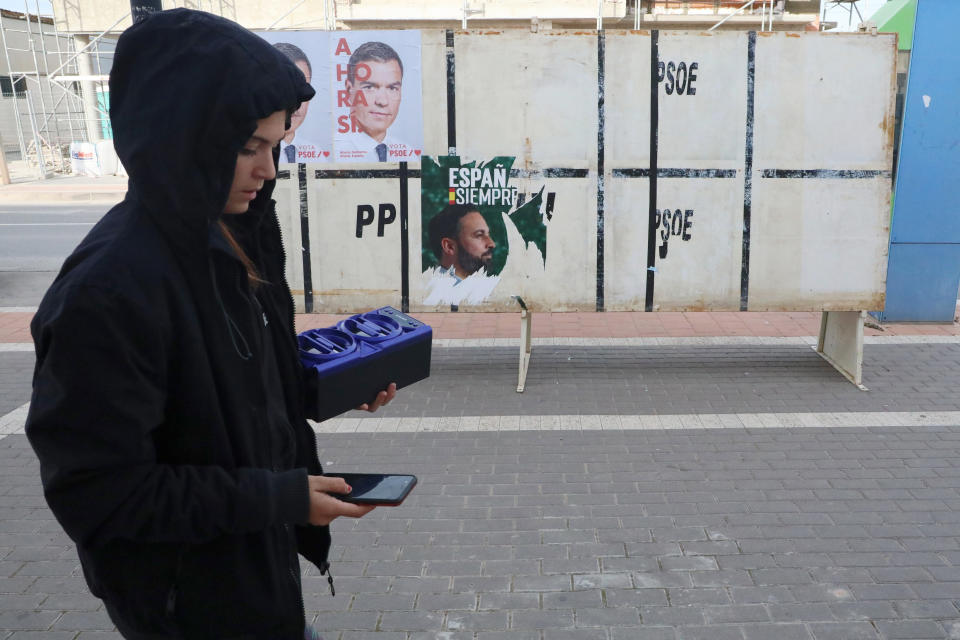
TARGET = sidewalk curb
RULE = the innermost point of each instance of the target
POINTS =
(41, 196)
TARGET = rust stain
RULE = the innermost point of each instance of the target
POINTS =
(491, 33)
(346, 292)
(696, 307)
(765, 34)
(888, 126)
(356, 292)
(793, 35)
(640, 32)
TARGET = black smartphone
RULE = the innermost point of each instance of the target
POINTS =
(384, 489)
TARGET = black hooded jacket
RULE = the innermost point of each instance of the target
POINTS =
(157, 430)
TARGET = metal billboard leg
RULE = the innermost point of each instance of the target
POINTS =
(841, 343)
(525, 320)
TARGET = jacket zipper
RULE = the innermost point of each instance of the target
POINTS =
(291, 539)
(174, 590)
(325, 567)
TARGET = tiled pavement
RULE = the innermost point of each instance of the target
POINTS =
(14, 325)
(676, 533)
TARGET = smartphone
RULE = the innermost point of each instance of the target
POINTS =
(382, 489)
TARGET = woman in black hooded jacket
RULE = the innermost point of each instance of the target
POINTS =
(169, 405)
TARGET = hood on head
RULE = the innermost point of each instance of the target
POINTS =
(186, 90)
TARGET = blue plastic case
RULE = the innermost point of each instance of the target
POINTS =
(364, 353)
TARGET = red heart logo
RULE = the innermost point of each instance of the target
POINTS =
(326, 154)
(416, 151)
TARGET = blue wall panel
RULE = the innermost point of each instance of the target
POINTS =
(925, 284)
(927, 206)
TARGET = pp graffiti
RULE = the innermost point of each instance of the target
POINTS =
(385, 214)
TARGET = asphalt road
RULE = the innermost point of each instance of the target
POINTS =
(34, 241)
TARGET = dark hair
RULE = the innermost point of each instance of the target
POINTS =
(295, 54)
(371, 51)
(253, 276)
(446, 224)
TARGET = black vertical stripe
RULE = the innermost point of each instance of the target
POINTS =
(748, 174)
(305, 239)
(404, 241)
(451, 107)
(600, 168)
(451, 97)
(654, 135)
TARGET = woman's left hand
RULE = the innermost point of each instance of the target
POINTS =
(383, 399)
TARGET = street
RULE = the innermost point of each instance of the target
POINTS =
(34, 241)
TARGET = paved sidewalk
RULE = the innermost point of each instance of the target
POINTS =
(643, 487)
(14, 325)
(26, 187)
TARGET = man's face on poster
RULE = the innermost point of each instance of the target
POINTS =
(300, 114)
(474, 246)
(381, 84)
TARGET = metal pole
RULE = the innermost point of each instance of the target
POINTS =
(4, 170)
(41, 161)
(59, 53)
(746, 6)
(57, 140)
(140, 9)
(16, 99)
(87, 91)
(54, 73)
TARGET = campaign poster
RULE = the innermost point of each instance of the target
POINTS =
(308, 139)
(473, 217)
(376, 93)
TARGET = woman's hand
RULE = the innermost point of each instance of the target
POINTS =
(383, 399)
(324, 508)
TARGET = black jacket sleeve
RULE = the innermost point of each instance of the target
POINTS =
(99, 393)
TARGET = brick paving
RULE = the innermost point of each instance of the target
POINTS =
(14, 326)
(779, 533)
(16, 373)
(628, 324)
(782, 533)
(648, 380)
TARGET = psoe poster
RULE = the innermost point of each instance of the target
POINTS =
(475, 224)
(308, 139)
(377, 99)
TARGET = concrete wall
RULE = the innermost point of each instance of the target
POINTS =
(92, 17)
(805, 228)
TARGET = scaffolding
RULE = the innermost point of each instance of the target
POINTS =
(58, 86)
(58, 90)
(849, 6)
(723, 9)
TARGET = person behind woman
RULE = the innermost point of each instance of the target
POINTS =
(169, 404)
